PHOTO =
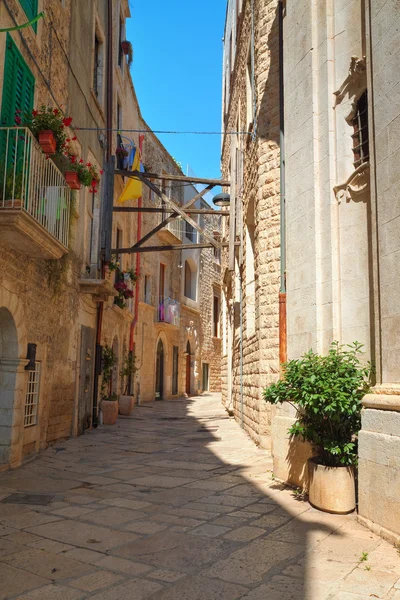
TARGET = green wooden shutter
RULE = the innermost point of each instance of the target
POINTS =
(31, 8)
(18, 85)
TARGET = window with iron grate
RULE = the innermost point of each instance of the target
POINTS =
(360, 135)
(32, 396)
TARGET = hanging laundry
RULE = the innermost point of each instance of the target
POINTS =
(133, 188)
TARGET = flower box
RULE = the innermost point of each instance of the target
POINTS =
(47, 141)
(126, 47)
(71, 177)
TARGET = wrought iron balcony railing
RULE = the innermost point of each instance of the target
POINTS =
(31, 183)
(169, 311)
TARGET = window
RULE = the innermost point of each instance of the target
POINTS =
(216, 316)
(190, 232)
(119, 121)
(18, 85)
(175, 371)
(98, 68)
(32, 396)
(360, 135)
(249, 91)
(250, 273)
(121, 38)
(190, 281)
(31, 8)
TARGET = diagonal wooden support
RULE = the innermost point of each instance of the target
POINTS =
(198, 196)
(177, 209)
(154, 231)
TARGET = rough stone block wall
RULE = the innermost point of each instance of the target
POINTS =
(261, 191)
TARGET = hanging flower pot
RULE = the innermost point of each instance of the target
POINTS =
(47, 141)
(71, 177)
(127, 50)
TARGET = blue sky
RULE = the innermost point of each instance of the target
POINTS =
(177, 75)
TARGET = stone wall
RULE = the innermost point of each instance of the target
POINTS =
(260, 193)
(379, 452)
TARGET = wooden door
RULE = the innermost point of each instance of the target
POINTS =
(160, 371)
(188, 361)
(85, 406)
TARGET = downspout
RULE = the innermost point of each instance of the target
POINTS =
(137, 283)
(109, 123)
(282, 290)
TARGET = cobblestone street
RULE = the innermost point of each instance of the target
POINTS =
(176, 503)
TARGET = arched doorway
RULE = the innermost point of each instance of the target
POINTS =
(188, 368)
(160, 371)
(8, 374)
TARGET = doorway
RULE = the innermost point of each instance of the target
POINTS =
(8, 376)
(206, 377)
(160, 371)
(188, 368)
(85, 407)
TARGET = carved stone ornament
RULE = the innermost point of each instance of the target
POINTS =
(355, 80)
(355, 186)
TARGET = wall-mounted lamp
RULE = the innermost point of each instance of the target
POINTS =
(222, 200)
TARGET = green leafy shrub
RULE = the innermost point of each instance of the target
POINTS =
(109, 361)
(327, 392)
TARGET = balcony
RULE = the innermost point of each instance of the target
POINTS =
(173, 232)
(35, 200)
(169, 312)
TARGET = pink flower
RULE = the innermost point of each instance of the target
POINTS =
(18, 120)
(74, 138)
(67, 121)
(56, 111)
(35, 113)
(81, 162)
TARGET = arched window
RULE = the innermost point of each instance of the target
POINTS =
(190, 280)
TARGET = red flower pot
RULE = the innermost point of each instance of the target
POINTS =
(125, 47)
(47, 141)
(71, 177)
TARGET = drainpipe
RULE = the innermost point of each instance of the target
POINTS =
(282, 291)
(137, 283)
(109, 122)
(241, 350)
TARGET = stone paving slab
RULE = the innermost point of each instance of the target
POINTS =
(176, 503)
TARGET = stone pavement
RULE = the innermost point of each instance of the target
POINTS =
(176, 503)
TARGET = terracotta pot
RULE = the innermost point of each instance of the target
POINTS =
(331, 489)
(71, 177)
(126, 404)
(125, 47)
(47, 141)
(110, 412)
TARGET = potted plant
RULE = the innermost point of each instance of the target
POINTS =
(327, 392)
(48, 125)
(109, 401)
(79, 173)
(129, 369)
(124, 293)
(127, 50)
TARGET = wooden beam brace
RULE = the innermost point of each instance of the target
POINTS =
(163, 248)
(178, 209)
(198, 196)
(154, 231)
(183, 178)
(191, 211)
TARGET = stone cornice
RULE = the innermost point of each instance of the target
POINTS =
(383, 397)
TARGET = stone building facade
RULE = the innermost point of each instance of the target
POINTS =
(342, 115)
(251, 104)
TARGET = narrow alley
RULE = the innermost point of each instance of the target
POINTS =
(177, 503)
